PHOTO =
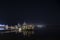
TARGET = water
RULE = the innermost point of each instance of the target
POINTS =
(48, 33)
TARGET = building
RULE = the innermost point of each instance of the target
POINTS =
(2, 27)
(18, 25)
(26, 26)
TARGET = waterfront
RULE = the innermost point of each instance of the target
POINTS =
(36, 36)
(50, 33)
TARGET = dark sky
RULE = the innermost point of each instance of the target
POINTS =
(45, 11)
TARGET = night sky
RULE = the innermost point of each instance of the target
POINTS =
(45, 12)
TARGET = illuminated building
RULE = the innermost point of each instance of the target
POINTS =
(24, 26)
(27, 26)
(2, 27)
(6, 27)
(18, 27)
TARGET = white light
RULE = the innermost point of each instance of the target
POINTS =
(1, 28)
(19, 29)
(40, 26)
(2, 25)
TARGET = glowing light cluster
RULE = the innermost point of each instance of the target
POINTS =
(20, 29)
(40, 26)
(2, 25)
(1, 28)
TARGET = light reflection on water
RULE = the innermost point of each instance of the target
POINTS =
(49, 33)
(28, 33)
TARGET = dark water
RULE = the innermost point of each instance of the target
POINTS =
(48, 33)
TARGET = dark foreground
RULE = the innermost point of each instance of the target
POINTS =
(48, 33)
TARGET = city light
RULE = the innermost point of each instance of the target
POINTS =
(2, 25)
(40, 26)
(20, 29)
(1, 28)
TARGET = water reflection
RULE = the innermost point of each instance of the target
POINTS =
(28, 33)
